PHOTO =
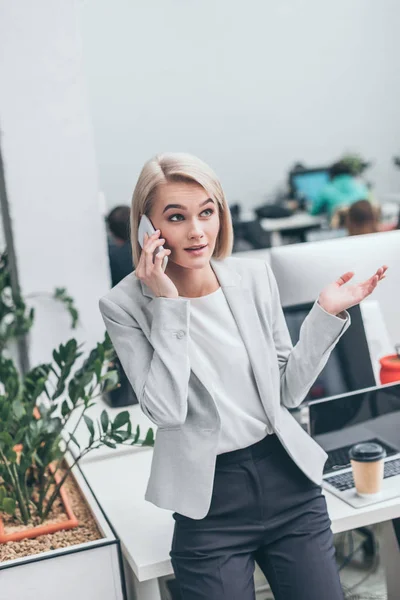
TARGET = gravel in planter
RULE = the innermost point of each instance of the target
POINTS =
(86, 531)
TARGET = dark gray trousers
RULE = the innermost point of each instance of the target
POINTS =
(263, 509)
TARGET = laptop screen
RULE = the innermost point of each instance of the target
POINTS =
(338, 423)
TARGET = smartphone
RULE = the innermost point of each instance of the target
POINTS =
(146, 226)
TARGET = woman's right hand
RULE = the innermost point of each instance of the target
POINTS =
(151, 273)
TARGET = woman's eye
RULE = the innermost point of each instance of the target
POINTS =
(172, 217)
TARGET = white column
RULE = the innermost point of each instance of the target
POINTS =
(50, 169)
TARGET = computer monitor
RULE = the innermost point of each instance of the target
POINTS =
(308, 182)
(349, 366)
(303, 270)
(368, 415)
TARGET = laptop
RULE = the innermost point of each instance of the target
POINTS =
(339, 422)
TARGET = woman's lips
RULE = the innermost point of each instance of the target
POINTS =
(197, 251)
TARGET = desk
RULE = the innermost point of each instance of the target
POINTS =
(298, 221)
(145, 531)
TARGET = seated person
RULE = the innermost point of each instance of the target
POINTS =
(342, 190)
(362, 217)
(119, 245)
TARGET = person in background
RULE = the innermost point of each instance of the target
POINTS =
(119, 245)
(343, 190)
(362, 217)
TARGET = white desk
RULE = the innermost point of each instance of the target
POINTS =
(299, 220)
(146, 531)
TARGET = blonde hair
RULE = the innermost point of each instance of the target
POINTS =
(186, 168)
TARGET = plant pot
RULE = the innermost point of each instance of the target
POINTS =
(33, 532)
(90, 569)
(390, 368)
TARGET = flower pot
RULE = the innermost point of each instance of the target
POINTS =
(390, 368)
(90, 569)
(32, 532)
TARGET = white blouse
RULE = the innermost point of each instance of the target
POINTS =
(219, 346)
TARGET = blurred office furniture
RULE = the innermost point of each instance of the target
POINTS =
(349, 366)
(303, 270)
(297, 225)
(146, 531)
(264, 255)
(248, 233)
(318, 235)
(273, 211)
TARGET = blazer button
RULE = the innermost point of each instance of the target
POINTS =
(180, 334)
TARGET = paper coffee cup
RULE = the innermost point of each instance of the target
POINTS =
(368, 466)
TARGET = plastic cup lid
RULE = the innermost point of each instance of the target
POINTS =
(367, 452)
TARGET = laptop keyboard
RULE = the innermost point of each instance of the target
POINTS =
(345, 481)
(339, 458)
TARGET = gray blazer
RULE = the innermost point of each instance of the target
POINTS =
(151, 337)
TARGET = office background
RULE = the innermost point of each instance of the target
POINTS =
(249, 88)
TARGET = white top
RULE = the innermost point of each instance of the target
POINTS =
(219, 346)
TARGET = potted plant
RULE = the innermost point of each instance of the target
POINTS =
(35, 444)
(47, 510)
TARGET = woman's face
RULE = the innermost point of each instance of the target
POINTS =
(187, 217)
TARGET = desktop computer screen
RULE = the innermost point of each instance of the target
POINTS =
(309, 183)
(349, 366)
(303, 270)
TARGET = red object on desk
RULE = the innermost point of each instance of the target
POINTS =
(390, 368)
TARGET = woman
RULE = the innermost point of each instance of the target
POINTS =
(207, 351)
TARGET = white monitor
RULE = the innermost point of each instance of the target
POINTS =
(303, 270)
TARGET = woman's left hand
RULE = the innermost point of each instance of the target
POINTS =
(337, 296)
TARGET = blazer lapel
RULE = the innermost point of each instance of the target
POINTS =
(241, 303)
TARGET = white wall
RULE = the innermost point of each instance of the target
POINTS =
(250, 87)
(50, 169)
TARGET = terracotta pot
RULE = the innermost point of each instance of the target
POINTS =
(33, 532)
(390, 368)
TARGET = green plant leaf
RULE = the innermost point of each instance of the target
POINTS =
(65, 409)
(149, 439)
(110, 381)
(137, 435)
(5, 439)
(18, 409)
(104, 421)
(3, 493)
(73, 438)
(11, 455)
(9, 505)
(121, 419)
(110, 444)
(89, 424)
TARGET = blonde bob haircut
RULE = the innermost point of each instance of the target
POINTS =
(186, 168)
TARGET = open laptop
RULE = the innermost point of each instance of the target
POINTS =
(336, 423)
